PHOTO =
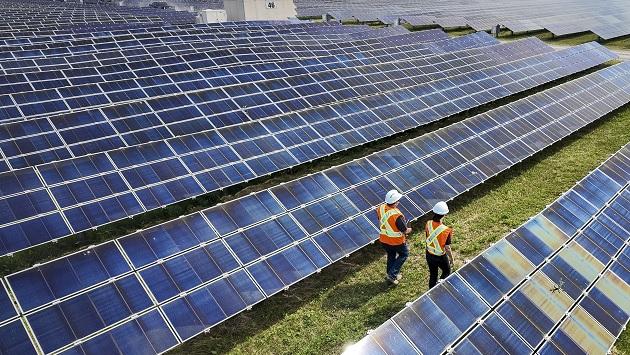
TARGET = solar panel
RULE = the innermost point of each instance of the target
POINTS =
(129, 181)
(208, 266)
(23, 14)
(14, 339)
(421, 20)
(609, 31)
(7, 311)
(133, 80)
(122, 70)
(146, 29)
(560, 17)
(536, 290)
(522, 25)
(167, 35)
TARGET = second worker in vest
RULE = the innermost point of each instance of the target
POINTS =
(438, 241)
(392, 235)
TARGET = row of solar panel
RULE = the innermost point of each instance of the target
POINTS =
(124, 41)
(245, 83)
(610, 21)
(156, 29)
(388, 13)
(46, 12)
(168, 180)
(606, 27)
(77, 54)
(204, 268)
(9, 30)
(510, 297)
(269, 49)
(22, 29)
(34, 24)
(106, 30)
(16, 131)
(144, 63)
(218, 72)
(37, 24)
(15, 20)
(170, 53)
(15, 134)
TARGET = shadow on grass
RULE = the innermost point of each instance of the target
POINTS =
(380, 315)
(353, 296)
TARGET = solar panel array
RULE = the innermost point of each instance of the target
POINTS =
(608, 19)
(150, 133)
(149, 291)
(193, 5)
(35, 15)
(556, 285)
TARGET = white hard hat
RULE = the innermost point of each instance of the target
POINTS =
(392, 197)
(440, 208)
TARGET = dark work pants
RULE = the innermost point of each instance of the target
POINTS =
(437, 262)
(396, 256)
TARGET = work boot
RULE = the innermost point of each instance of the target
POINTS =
(391, 281)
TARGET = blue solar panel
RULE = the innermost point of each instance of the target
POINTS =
(78, 271)
(80, 316)
(170, 181)
(147, 333)
(211, 304)
(14, 339)
(7, 310)
(223, 265)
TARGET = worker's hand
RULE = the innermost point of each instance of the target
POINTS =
(408, 231)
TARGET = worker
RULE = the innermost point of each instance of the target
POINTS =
(393, 232)
(438, 243)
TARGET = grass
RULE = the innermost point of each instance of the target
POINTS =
(455, 32)
(325, 312)
(623, 344)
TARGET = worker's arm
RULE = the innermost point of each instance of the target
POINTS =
(449, 253)
(401, 224)
(447, 248)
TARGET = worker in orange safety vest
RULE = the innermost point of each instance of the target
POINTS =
(438, 244)
(392, 235)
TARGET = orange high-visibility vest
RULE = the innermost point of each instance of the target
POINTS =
(389, 233)
(433, 241)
